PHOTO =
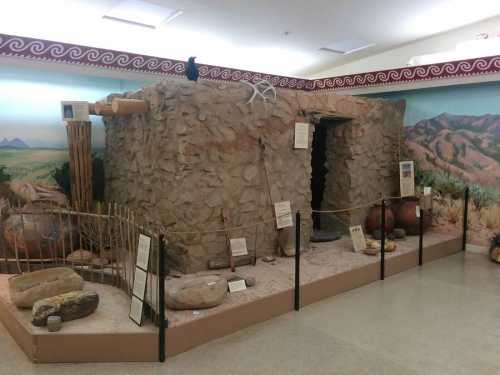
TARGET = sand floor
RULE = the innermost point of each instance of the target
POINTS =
(321, 261)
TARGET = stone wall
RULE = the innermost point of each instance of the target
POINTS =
(199, 151)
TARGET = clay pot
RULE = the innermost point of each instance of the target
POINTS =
(34, 235)
(406, 217)
(372, 221)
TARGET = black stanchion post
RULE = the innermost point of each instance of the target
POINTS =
(466, 218)
(161, 300)
(297, 261)
(420, 236)
(382, 241)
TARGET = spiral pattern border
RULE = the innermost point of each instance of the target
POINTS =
(37, 49)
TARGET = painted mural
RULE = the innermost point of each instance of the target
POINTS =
(453, 134)
(33, 146)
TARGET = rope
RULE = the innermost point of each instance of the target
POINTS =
(364, 205)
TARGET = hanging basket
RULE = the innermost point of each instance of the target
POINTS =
(495, 249)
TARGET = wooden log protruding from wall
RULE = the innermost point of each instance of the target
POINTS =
(80, 163)
(129, 106)
(103, 109)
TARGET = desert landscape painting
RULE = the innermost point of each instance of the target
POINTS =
(455, 151)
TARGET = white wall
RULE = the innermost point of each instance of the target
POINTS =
(399, 57)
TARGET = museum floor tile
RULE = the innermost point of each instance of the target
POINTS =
(441, 319)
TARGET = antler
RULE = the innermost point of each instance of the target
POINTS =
(261, 88)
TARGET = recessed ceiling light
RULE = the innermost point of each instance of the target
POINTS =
(345, 47)
(141, 13)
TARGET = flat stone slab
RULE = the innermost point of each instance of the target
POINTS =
(30, 287)
(69, 306)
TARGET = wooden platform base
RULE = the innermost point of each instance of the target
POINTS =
(88, 341)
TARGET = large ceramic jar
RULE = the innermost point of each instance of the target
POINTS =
(406, 217)
(34, 235)
(373, 220)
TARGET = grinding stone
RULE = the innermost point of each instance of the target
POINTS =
(324, 236)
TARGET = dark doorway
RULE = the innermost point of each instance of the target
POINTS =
(318, 160)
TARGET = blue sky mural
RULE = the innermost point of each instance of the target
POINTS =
(466, 100)
(30, 103)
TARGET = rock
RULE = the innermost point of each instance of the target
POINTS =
(54, 323)
(399, 233)
(268, 259)
(200, 293)
(80, 256)
(286, 241)
(28, 288)
(69, 306)
(250, 281)
(99, 262)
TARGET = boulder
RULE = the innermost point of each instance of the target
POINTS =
(200, 293)
(28, 288)
(80, 256)
(69, 306)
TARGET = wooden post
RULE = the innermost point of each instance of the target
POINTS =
(80, 163)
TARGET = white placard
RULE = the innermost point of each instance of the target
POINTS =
(75, 111)
(427, 190)
(136, 309)
(238, 246)
(237, 286)
(283, 212)
(143, 249)
(358, 238)
(417, 211)
(301, 135)
(140, 279)
(407, 178)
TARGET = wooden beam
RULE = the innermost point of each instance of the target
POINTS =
(103, 109)
(129, 106)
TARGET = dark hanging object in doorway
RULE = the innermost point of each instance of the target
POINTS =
(192, 70)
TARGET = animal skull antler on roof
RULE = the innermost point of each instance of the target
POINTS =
(260, 89)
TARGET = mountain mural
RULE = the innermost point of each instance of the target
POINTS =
(14, 143)
(465, 146)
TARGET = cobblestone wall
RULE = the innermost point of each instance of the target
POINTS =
(199, 151)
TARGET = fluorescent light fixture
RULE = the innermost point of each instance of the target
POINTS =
(141, 13)
(348, 46)
(463, 51)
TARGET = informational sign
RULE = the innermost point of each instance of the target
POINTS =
(75, 111)
(301, 135)
(358, 238)
(417, 211)
(143, 250)
(237, 286)
(136, 310)
(140, 279)
(407, 178)
(283, 212)
(426, 199)
(238, 246)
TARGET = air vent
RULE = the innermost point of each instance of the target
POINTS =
(345, 47)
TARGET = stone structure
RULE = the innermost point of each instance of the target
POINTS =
(202, 148)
